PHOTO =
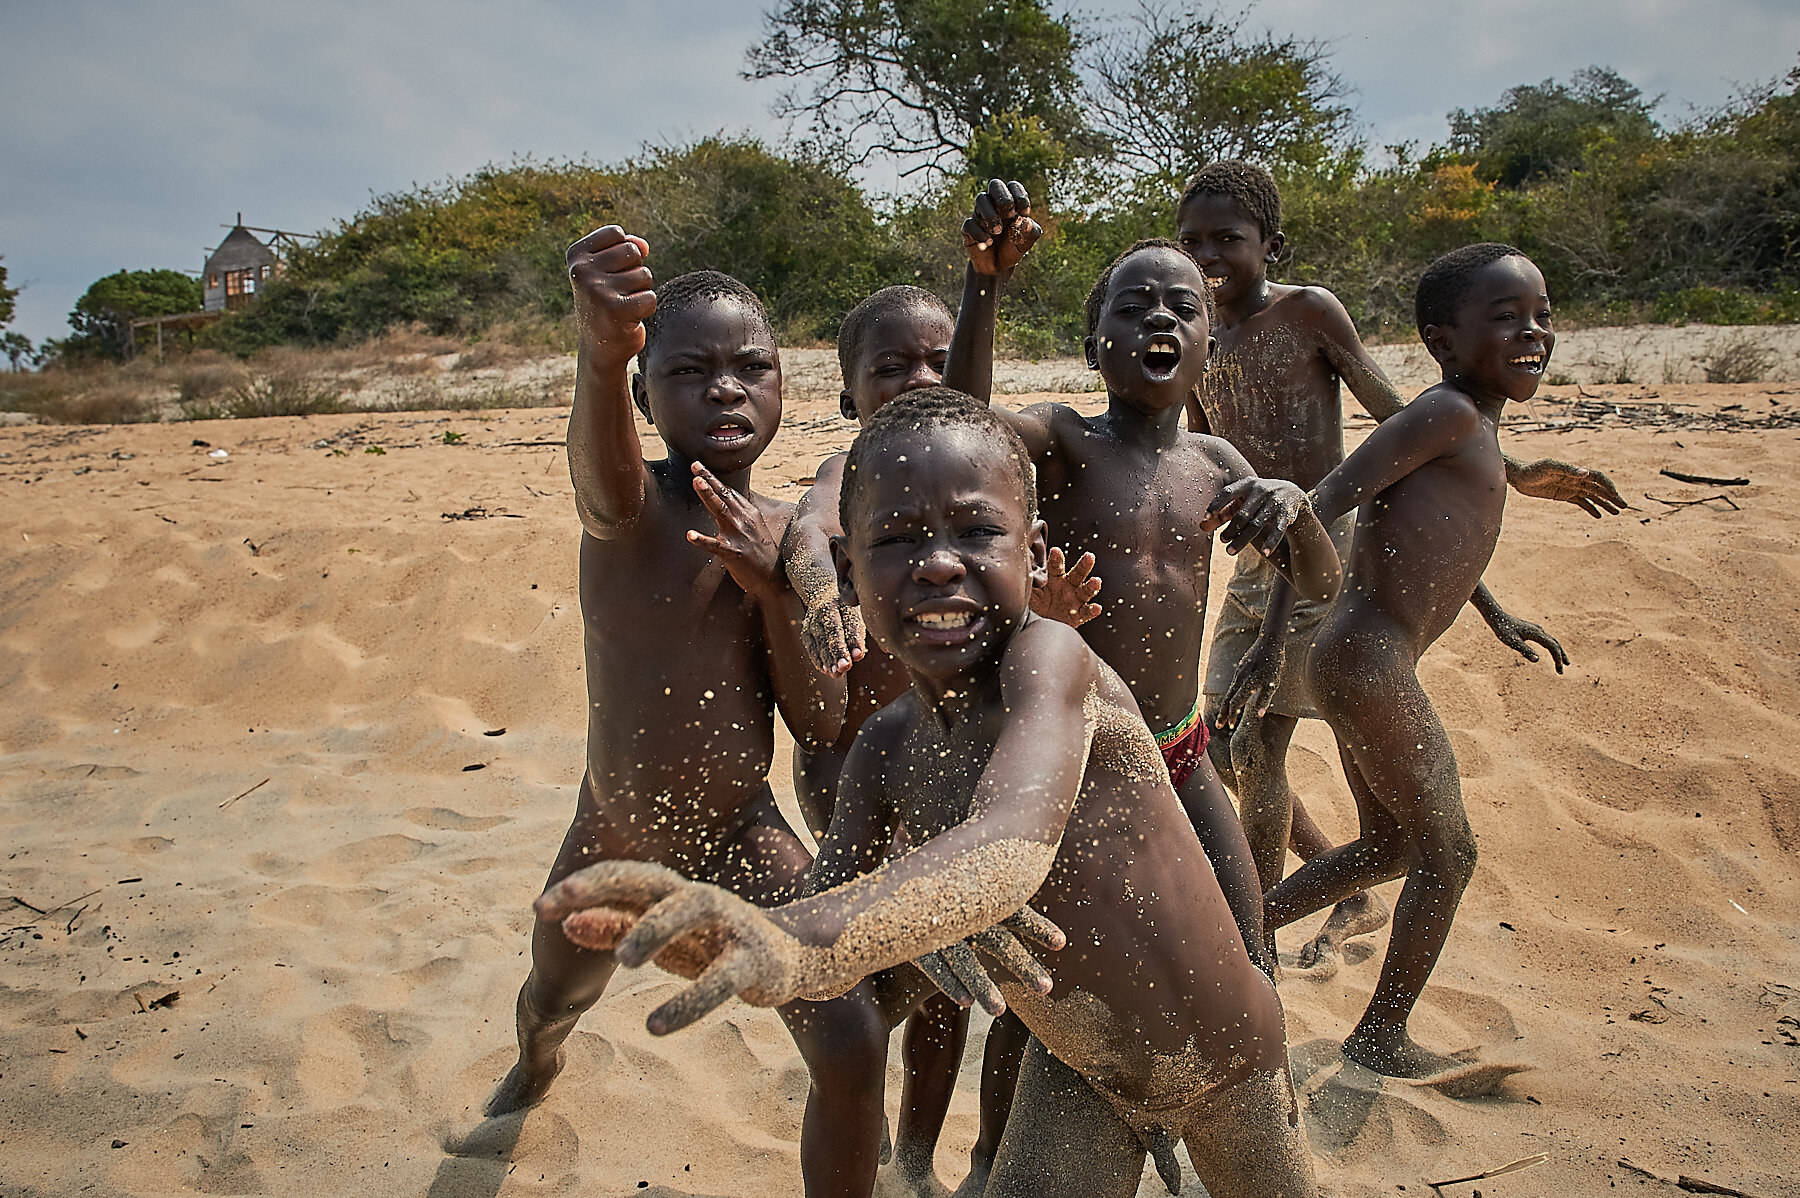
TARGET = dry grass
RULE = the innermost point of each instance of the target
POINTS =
(1740, 357)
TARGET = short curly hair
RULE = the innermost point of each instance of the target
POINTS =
(1446, 281)
(692, 289)
(1096, 298)
(1249, 186)
(853, 334)
(927, 410)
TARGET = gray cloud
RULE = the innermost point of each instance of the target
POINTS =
(132, 132)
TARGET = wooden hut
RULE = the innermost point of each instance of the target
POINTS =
(237, 270)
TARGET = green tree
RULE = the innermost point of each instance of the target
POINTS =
(1545, 130)
(9, 297)
(103, 315)
(917, 80)
(1178, 87)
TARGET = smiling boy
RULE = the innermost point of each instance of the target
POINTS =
(1274, 394)
(1429, 487)
(896, 341)
(1020, 768)
(679, 556)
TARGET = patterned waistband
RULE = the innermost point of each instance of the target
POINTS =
(1188, 723)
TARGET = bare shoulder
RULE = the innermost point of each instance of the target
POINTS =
(883, 734)
(1048, 658)
(1221, 454)
(831, 471)
(1059, 420)
(1445, 405)
(778, 510)
(1317, 309)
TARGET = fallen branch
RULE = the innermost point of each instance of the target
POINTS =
(235, 798)
(1523, 1163)
(1694, 1185)
(481, 513)
(1703, 480)
(1678, 503)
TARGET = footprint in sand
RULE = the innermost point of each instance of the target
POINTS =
(443, 819)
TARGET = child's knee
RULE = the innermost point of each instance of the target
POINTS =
(847, 1051)
(1452, 851)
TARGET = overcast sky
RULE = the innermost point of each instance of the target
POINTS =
(133, 131)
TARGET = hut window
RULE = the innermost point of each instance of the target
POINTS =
(212, 280)
(234, 282)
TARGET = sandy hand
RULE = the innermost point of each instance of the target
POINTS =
(613, 295)
(1067, 591)
(1547, 478)
(1516, 634)
(1255, 511)
(1253, 686)
(644, 912)
(748, 543)
(959, 973)
(1001, 231)
(832, 632)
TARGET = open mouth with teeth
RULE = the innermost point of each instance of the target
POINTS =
(730, 432)
(1533, 362)
(945, 627)
(1162, 354)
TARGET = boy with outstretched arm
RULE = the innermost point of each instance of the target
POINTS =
(895, 341)
(1429, 488)
(1273, 393)
(1021, 770)
(679, 556)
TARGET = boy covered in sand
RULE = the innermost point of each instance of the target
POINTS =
(895, 341)
(1021, 769)
(1273, 393)
(1429, 487)
(692, 641)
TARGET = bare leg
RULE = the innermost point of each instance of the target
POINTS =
(844, 1041)
(1000, 1063)
(1248, 1140)
(1067, 1141)
(565, 981)
(1259, 748)
(1400, 765)
(1222, 836)
(933, 1051)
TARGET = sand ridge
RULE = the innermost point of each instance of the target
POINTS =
(346, 937)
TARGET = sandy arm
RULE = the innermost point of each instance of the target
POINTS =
(1547, 478)
(954, 886)
(831, 629)
(1431, 426)
(613, 297)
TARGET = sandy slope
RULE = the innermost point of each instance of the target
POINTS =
(239, 700)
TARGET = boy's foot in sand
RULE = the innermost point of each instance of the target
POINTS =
(909, 1179)
(1389, 1051)
(975, 1184)
(522, 1088)
(1357, 915)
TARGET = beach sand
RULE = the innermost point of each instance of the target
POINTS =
(287, 753)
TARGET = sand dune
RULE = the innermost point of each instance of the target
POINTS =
(287, 753)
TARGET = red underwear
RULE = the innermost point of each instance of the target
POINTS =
(1184, 746)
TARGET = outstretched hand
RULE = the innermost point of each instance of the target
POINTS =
(645, 912)
(748, 544)
(613, 295)
(960, 975)
(1001, 231)
(1067, 591)
(1253, 686)
(1548, 478)
(1255, 511)
(1517, 635)
(832, 632)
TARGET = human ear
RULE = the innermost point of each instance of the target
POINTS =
(1437, 343)
(1087, 347)
(640, 396)
(1272, 248)
(846, 405)
(840, 560)
(1212, 349)
(1040, 553)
